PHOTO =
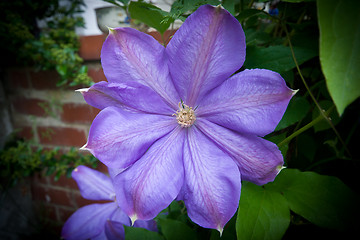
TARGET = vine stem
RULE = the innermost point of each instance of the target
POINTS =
(322, 112)
(306, 127)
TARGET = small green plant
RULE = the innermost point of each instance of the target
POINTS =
(54, 46)
(58, 44)
(21, 159)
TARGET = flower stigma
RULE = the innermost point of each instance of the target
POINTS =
(185, 116)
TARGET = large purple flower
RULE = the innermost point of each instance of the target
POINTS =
(99, 220)
(180, 124)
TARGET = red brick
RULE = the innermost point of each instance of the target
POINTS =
(25, 132)
(90, 46)
(97, 75)
(80, 201)
(50, 212)
(59, 197)
(63, 181)
(38, 192)
(39, 178)
(44, 79)
(101, 167)
(30, 106)
(64, 213)
(18, 78)
(166, 37)
(62, 136)
(78, 113)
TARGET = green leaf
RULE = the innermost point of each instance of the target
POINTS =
(262, 214)
(254, 37)
(150, 15)
(278, 139)
(339, 22)
(297, 1)
(229, 5)
(296, 110)
(322, 200)
(176, 230)
(132, 233)
(277, 58)
(246, 13)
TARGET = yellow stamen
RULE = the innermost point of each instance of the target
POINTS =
(185, 116)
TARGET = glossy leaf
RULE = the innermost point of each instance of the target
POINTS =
(132, 233)
(176, 230)
(339, 22)
(150, 15)
(296, 110)
(262, 213)
(297, 1)
(277, 58)
(322, 200)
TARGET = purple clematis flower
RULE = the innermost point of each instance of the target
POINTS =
(98, 221)
(180, 124)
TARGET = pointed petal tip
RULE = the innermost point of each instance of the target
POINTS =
(220, 229)
(111, 30)
(279, 168)
(293, 92)
(82, 90)
(84, 148)
(219, 7)
(133, 218)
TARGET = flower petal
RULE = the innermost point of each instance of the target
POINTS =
(114, 230)
(154, 181)
(93, 184)
(211, 190)
(206, 50)
(120, 217)
(131, 96)
(259, 160)
(130, 55)
(88, 221)
(118, 138)
(252, 101)
(149, 225)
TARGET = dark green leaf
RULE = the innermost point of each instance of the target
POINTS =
(296, 110)
(176, 230)
(180, 7)
(297, 1)
(248, 13)
(306, 146)
(262, 214)
(278, 139)
(322, 200)
(254, 37)
(229, 5)
(277, 58)
(339, 22)
(132, 233)
(150, 15)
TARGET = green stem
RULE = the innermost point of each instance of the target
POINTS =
(322, 112)
(306, 127)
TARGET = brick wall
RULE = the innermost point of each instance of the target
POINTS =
(55, 117)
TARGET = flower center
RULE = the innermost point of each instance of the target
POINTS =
(185, 116)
